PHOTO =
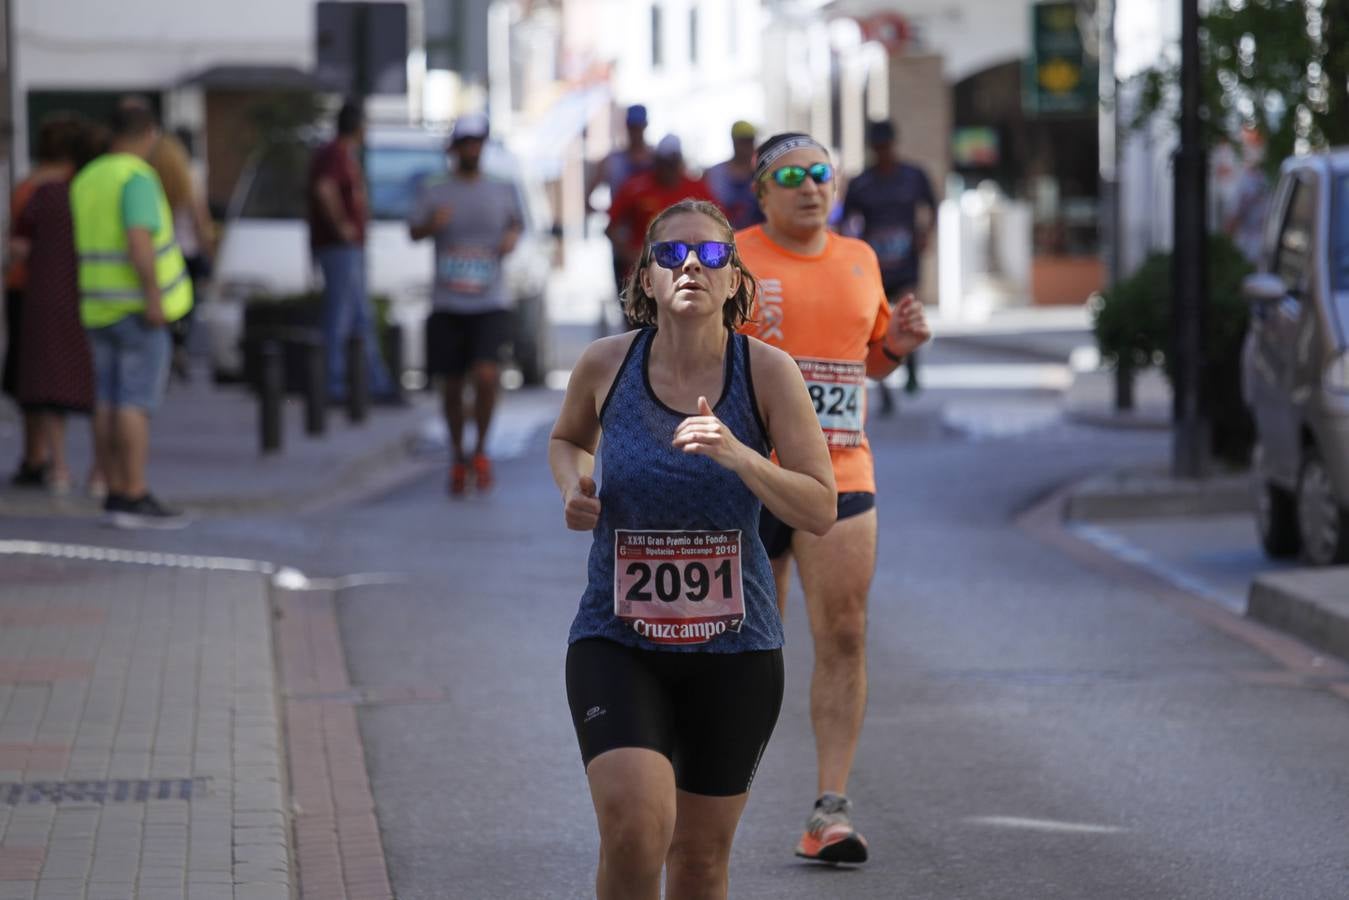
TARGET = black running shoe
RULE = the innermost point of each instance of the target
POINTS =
(144, 512)
(29, 476)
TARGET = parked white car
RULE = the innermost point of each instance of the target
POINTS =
(265, 248)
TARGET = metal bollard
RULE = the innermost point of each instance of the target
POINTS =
(393, 358)
(271, 392)
(1124, 386)
(358, 380)
(315, 388)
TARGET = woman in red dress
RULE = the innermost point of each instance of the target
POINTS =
(55, 373)
(53, 163)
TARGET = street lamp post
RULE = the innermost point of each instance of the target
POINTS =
(1190, 443)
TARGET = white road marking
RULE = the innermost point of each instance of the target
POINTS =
(285, 577)
(52, 550)
(1051, 825)
(1122, 549)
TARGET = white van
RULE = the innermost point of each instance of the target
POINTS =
(265, 249)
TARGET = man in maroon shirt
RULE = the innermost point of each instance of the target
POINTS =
(646, 194)
(338, 213)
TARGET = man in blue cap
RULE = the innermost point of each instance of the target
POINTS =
(619, 167)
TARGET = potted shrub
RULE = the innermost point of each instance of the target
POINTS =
(1132, 324)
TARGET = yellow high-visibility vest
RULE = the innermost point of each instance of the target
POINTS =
(109, 287)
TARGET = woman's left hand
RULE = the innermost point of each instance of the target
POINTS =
(706, 435)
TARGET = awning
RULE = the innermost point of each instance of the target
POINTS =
(253, 78)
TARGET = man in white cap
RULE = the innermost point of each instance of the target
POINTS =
(475, 220)
(646, 194)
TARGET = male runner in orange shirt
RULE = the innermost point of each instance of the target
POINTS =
(821, 299)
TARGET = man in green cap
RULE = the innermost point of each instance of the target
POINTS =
(732, 181)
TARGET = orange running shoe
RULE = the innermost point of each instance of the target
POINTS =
(458, 479)
(829, 836)
(482, 471)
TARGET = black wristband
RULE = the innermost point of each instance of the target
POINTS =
(892, 357)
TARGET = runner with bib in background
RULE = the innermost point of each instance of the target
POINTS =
(475, 221)
(674, 670)
(821, 299)
(890, 205)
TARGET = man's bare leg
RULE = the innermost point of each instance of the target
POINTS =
(836, 572)
(107, 449)
(452, 401)
(486, 378)
(132, 426)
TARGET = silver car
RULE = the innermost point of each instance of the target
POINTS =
(1295, 367)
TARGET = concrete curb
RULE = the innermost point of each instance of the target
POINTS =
(1134, 494)
(1312, 605)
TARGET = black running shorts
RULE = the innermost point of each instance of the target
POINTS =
(710, 714)
(455, 341)
(777, 534)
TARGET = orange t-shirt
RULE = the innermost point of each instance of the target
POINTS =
(826, 311)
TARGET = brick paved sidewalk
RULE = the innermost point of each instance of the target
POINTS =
(140, 735)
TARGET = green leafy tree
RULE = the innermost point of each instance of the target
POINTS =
(1280, 67)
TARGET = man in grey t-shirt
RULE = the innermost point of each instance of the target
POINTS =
(475, 221)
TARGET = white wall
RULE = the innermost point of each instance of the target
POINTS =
(697, 102)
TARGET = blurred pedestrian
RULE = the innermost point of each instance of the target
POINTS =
(56, 375)
(475, 220)
(674, 669)
(338, 213)
(823, 301)
(193, 228)
(56, 136)
(1245, 222)
(620, 166)
(644, 195)
(732, 181)
(891, 206)
(133, 282)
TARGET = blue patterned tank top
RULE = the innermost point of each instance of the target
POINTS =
(676, 562)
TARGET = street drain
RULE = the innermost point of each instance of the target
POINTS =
(122, 790)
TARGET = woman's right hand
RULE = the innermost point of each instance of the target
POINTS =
(581, 507)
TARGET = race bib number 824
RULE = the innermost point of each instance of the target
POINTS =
(836, 390)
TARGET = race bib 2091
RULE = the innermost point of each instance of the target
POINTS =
(679, 587)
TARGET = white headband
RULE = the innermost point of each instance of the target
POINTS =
(777, 151)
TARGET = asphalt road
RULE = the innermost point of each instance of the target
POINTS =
(1035, 730)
